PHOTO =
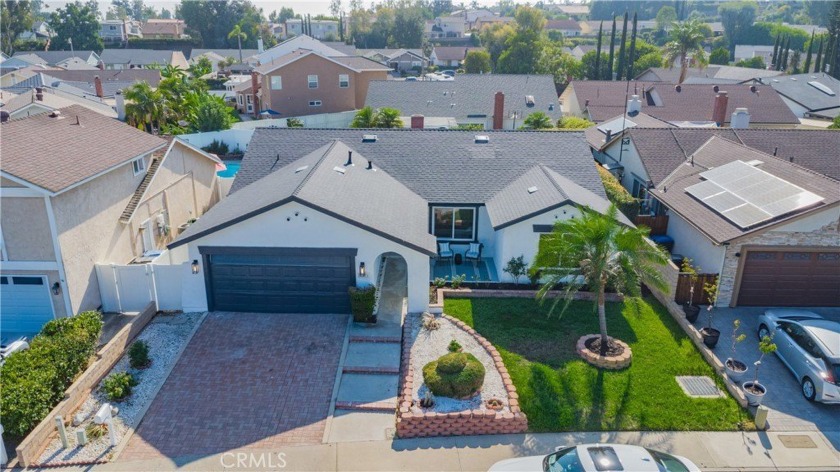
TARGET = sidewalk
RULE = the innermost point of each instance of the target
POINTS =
(805, 451)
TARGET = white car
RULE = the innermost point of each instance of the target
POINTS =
(598, 458)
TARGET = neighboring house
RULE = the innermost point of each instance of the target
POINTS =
(445, 27)
(305, 82)
(163, 29)
(41, 100)
(402, 60)
(321, 29)
(243, 92)
(111, 79)
(119, 30)
(53, 58)
(688, 105)
(568, 28)
(581, 49)
(471, 16)
(347, 49)
(814, 95)
(745, 52)
(87, 190)
(495, 101)
(40, 31)
(278, 30)
(575, 11)
(488, 21)
(249, 56)
(293, 44)
(320, 210)
(713, 74)
(121, 59)
(450, 56)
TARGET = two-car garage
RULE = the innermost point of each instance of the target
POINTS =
(790, 277)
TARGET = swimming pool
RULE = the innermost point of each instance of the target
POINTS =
(230, 172)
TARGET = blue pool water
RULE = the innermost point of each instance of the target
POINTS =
(230, 172)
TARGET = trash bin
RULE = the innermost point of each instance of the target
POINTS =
(664, 240)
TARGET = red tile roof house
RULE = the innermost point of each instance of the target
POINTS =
(79, 189)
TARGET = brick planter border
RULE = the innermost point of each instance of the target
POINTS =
(604, 362)
(463, 423)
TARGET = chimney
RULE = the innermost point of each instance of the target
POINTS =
(39, 94)
(719, 112)
(120, 105)
(97, 83)
(417, 121)
(101, 65)
(499, 111)
(740, 119)
(260, 46)
(634, 105)
(255, 87)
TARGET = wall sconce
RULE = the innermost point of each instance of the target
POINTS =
(194, 266)
(56, 288)
(362, 271)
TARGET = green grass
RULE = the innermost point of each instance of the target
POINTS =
(558, 391)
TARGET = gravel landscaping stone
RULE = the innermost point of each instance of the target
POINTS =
(428, 346)
(165, 335)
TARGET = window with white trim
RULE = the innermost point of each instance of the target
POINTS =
(138, 165)
(276, 82)
(314, 103)
(241, 100)
(313, 81)
(248, 99)
(454, 223)
(343, 80)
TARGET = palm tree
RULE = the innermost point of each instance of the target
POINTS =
(365, 118)
(388, 118)
(597, 251)
(240, 36)
(686, 39)
(145, 109)
(538, 120)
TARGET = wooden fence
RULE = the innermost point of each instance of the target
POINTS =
(658, 224)
(683, 291)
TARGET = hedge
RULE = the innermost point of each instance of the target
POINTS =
(362, 302)
(618, 195)
(33, 381)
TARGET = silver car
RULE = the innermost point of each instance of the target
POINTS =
(810, 346)
(598, 458)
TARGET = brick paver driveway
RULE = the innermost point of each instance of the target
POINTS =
(245, 380)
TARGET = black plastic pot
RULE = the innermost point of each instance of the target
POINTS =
(691, 312)
(710, 337)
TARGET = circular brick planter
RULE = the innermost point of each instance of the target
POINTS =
(604, 362)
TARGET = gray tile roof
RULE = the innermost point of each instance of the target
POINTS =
(371, 199)
(663, 150)
(453, 53)
(360, 63)
(708, 74)
(151, 76)
(471, 94)
(797, 88)
(717, 151)
(138, 56)
(597, 139)
(342, 47)
(54, 57)
(234, 53)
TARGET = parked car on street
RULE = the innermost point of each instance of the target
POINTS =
(809, 346)
(597, 458)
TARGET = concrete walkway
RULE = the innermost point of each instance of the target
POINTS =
(729, 451)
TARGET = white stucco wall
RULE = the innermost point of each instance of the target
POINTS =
(691, 243)
(629, 158)
(271, 229)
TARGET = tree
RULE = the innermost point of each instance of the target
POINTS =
(212, 21)
(560, 64)
(649, 60)
(783, 64)
(666, 16)
(522, 49)
(494, 38)
(807, 67)
(612, 53)
(598, 53)
(795, 60)
(622, 50)
(598, 252)
(631, 58)
(237, 33)
(835, 124)
(477, 62)
(574, 122)
(737, 17)
(388, 118)
(76, 22)
(537, 120)
(754, 63)
(294, 123)
(15, 18)
(211, 114)
(686, 39)
(775, 50)
(588, 65)
(145, 106)
(364, 118)
(201, 67)
(719, 56)
(335, 7)
(818, 60)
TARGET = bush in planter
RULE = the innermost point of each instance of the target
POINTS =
(710, 335)
(691, 310)
(517, 268)
(753, 389)
(362, 301)
(118, 385)
(33, 381)
(735, 369)
(457, 280)
(455, 375)
(138, 355)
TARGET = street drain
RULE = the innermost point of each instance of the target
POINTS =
(797, 441)
(699, 386)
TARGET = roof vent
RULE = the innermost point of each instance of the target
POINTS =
(301, 169)
(55, 114)
(532, 189)
(369, 138)
(529, 101)
(793, 79)
(482, 139)
(755, 163)
(349, 159)
(338, 169)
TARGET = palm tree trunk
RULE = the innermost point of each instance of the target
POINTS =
(239, 41)
(683, 67)
(602, 317)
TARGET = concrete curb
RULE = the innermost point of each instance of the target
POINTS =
(337, 382)
(131, 428)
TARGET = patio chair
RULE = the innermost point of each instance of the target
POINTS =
(444, 251)
(474, 252)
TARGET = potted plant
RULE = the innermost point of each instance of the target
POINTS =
(735, 369)
(362, 303)
(753, 390)
(691, 310)
(710, 335)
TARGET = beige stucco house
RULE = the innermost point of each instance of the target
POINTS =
(79, 189)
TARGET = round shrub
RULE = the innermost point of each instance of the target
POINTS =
(138, 355)
(455, 375)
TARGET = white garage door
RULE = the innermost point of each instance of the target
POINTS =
(25, 304)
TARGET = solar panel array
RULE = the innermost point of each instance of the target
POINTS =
(747, 196)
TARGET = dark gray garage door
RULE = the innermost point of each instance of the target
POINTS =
(279, 280)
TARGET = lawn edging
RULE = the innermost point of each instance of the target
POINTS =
(679, 316)
(463, 423)
(37, 440)
(437, 308)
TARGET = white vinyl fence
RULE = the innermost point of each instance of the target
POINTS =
(126, 288)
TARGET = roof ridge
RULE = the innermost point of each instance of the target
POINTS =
(550, 178)
(315, 167)
(785, 161)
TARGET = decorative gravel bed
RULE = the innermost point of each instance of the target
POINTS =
(165, 335)
(428, 346)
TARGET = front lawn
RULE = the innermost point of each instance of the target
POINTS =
(560, 392)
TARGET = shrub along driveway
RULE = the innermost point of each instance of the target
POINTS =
(246, 380)
(560, 392)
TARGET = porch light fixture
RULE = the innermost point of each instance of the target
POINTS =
(362, 271)
(194, 266)
(56, 288)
